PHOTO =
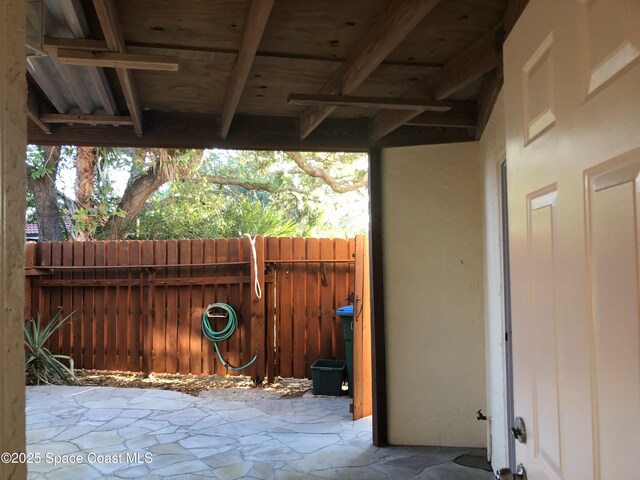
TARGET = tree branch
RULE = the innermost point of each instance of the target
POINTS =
(236, 182)
(315, 172)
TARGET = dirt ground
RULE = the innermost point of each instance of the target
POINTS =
(224, 387)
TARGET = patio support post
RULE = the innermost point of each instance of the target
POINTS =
(378, 354)
(13, 139)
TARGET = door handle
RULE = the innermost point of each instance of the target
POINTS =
(519, 430)
(507, 474)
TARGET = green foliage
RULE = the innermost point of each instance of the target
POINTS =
(282, 200)
(228, 194)
(89, 220)
(41, 365)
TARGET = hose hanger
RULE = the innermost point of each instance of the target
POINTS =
(222, 310)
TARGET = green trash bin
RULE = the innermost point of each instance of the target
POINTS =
(346, 315)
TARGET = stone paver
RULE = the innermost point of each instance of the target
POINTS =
(85, 433)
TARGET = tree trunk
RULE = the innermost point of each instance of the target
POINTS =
(45, 196)
(85, 170)
(138, 192)
(133, 200)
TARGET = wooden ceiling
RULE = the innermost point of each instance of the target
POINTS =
(266, 74)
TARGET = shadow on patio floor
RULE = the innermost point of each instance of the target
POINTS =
(102, 432)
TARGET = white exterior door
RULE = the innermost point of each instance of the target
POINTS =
(572, 96)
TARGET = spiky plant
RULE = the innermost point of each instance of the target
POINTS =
(41, 365)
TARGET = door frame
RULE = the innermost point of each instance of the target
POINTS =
(508, 338)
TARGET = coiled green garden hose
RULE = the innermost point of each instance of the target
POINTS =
(224, 334)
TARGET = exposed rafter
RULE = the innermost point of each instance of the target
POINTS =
(461, 119)
(375, 102)
(33, 112)
(52, 44)
(473, 62)
(170, 130)
(118, 60)
(76, 19)
(108, 18)
(86, 119)
(512, 13)
(257, 17)
(395, 23)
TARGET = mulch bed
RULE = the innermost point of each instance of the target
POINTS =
(195, 384)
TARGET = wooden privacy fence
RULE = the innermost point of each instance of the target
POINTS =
(139, 304)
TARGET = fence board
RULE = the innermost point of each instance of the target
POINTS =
(299, 310)
(184, 306)
(139, 304)
(272, 249)
(227, 349)
(67, 299)
(312, 306)
(111, 360)
(208, 352)
(100, 312)
(284, 314)
(87, 341)
(195, 341)
(53, 297)
(160, 311)
(148, 310)
(172, 310)
(327, 306)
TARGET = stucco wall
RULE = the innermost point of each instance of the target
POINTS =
(492, 152)
(12, 203)
(433, 267)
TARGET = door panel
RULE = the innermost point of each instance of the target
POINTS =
(572, 76)
(612, 205)
(543, 318)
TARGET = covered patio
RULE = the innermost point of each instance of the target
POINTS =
(104, 432)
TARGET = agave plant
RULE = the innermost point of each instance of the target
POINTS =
(42, 366)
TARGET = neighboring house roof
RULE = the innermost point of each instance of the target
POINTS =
(31, 231)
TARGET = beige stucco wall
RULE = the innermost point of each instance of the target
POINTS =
(12, 198)
(492, 152)
(433, 269)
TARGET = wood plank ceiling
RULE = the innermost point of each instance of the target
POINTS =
(266, 74)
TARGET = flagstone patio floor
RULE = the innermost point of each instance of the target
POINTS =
(87, 433)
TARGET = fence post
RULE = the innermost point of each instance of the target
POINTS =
(29, 263)
(258, 328)
(147, 324)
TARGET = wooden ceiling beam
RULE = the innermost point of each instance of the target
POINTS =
(77, 21)
(387, 121)
(476, 60)
(388, 31)
(257, 18)
(376, 102)
(118, 60)
(108, 18)
(473, 62)
(33, 112)
(170, 130)
(512, 13)
(52, 44)
(86, 119)
(454, 118)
